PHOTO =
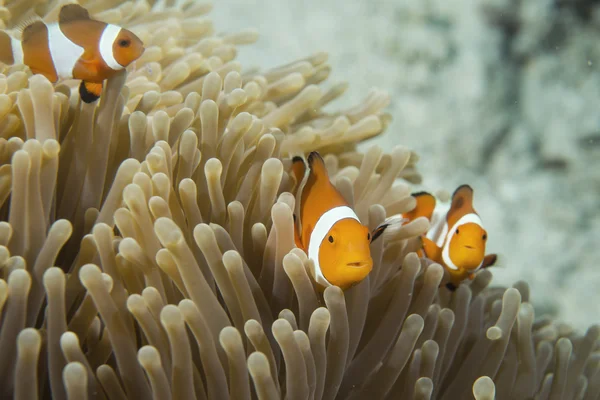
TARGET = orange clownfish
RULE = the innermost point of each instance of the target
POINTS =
(456, 238)
(328, 230)
(75, 47)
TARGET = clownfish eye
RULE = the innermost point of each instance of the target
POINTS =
(330, 239)
(484, 237)
(124, 42)
(368, 236)
(457, 231)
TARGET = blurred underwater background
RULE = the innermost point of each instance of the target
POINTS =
(501, 94)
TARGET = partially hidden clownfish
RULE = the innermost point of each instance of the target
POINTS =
(456, 238)
(75, 47)
(328, 230)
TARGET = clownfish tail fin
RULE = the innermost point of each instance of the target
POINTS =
(90, 92)
(317, 165)
(7, 49)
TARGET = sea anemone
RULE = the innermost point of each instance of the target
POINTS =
(147, 251)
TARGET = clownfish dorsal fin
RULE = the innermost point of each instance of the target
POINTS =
(317, 166)
(462, 204)
(32, 29)
(72, 12)
(424, 208)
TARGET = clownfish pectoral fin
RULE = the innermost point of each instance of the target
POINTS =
(86, 66)
(298, 169)
(388, 228)
(90, 92)
(378, 232)
(432, 251)
(424, 208)
(72, 12)
(489, 260)
(88, 57)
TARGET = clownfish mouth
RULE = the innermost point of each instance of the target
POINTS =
(358, 264)
(469, 247)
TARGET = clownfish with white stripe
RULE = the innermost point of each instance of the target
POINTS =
(456, 238)
(328, 230)
(75, 47)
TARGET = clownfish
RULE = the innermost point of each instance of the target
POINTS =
(328, 230)
(456, 238)
(76, 47)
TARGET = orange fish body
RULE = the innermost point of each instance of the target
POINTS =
(327, 228)
(75, 47)
(456, 238)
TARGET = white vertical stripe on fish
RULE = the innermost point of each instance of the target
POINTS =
(109, 35)
(320, 231)
(63, 51)
(437, 226)
(465, 219)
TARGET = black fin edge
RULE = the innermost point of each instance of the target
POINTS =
(86, 96)
(451, 287)
(491, 264)
(378, 232)
(460, 187)
(415, 194)
(314, 155)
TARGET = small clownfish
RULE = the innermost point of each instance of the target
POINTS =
(76, 47)
(327, 228)
(456, 238)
